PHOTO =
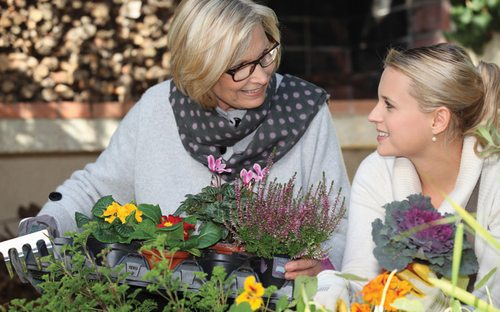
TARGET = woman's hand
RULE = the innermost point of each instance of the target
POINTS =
(298, 267)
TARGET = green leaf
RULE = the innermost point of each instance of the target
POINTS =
(81, 219)
(469, 219)
(124, 229)
(406, 304)
(457, 253)
(352, 277)
(456, 306)
(242, 307)
(106, 236)
(485, 279)
(281, 304)
(172, 228)
(152, 212)
(210, 234)
(462, 295)
(305, 285)
(101, 205)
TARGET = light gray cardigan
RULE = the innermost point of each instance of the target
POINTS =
(146, 162)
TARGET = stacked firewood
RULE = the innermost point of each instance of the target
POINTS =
(85, 51)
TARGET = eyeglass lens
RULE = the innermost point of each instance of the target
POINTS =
(265, 60)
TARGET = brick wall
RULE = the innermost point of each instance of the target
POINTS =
(340, 44)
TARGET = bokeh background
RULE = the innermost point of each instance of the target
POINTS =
(70, 70)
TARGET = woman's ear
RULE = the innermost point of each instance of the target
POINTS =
(441, 120)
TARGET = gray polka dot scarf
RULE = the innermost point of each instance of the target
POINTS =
(280, 122)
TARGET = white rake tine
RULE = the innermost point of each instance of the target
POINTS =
(18, 243)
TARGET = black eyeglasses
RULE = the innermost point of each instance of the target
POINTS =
(243, 71)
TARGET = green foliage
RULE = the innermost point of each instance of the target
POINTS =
(212, 204)
(172, 238)
(82, 286)
(214, 294)
(169, 237)
(474, 21)
(116, 231)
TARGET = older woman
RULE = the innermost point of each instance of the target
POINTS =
(225, 99)
(431, 102)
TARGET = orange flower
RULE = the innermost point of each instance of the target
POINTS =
(358, 307)
(373, 291)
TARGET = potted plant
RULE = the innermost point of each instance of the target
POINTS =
(214, 204)
(129, 228)
(277, 224)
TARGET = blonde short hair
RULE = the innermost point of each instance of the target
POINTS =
(207, 37)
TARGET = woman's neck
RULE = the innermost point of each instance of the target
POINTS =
(438, 170)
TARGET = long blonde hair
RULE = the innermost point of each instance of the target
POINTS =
(444, 75)
(207, 37)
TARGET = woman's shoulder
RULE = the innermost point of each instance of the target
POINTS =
(374, 169)
(490, 172)
(158, 92)
(376, 161)
(154, 100)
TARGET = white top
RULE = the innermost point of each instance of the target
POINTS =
(380, 180)
(146, 162)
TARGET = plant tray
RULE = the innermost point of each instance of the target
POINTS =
(25, 261)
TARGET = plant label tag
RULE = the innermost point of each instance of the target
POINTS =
(279, 267)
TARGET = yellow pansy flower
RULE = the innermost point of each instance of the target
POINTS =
(252, 293)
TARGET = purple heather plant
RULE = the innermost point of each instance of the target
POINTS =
(270, 219)
(415, 231)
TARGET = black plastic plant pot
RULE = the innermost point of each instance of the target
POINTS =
(116, 251)
(230, 262)
(270, 271)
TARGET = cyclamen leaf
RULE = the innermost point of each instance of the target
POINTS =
(101, 205)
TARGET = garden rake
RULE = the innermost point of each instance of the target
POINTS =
(18, 251)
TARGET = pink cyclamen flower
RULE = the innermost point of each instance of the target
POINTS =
(246, 176)
(259, 173)
(216, 166)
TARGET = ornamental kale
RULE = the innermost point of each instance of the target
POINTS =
(415, 231)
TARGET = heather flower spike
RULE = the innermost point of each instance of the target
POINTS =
(216, 166)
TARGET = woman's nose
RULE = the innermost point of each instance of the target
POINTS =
(260, 74)
(374, 115)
